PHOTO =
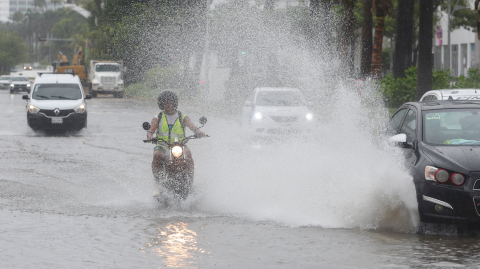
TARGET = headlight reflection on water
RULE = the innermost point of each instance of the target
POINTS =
(175, 244)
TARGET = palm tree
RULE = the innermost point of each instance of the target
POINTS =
(403, 41)
(425, 61)
(39, 3)
(348, 34)
(55, 2)
(367, 42)
(383, 8)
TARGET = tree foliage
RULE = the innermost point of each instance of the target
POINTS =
(12, 50)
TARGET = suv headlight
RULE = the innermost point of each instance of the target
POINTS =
(257, 115)
(28, 85)
(33, 109)
(80, 109)
(12, 85)
(309, 116)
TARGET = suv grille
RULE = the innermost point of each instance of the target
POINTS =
(62, 113)
(284, 119)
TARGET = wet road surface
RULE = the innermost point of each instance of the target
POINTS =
(83, 200)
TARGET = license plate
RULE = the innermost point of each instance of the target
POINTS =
(57, 120)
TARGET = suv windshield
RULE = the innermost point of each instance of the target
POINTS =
(57, 92)
(452, 127)
(19, 79)
(279, 98)
(107, 68)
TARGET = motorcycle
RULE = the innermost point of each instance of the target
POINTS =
(174, 179)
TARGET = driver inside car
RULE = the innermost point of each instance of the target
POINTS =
(169, 125)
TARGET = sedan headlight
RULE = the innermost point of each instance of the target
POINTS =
(33, 109)
(177, 151)
(309, 116)
(80, 109)
(12, 85)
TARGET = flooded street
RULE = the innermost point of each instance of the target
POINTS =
(84, 200)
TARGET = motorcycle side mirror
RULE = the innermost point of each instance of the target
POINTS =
(203, 120)
(146, 126)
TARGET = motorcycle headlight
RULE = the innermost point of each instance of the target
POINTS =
(80, 109)
(309, 116)
(33, 109)
(177, 151)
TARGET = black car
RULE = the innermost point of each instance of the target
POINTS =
(441, 143)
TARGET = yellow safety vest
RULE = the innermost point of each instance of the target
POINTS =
(167, 134)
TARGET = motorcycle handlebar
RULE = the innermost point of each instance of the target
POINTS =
(184, 141)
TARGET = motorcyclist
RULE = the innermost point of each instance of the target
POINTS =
(168, 125)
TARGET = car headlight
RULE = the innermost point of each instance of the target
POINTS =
(28, 85)
(177, 151)
(257, 116)
(309, 116)
(12, 85)
(33, 109)
(80, 109)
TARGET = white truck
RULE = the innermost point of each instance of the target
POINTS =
(106, 77)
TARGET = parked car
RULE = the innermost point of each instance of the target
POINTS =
(452, 94)
(277, 111)
(37, 65)
(16, 68)
(20, 84)
(441, 142)
(5, 82)
(27, 67)
(57, 102)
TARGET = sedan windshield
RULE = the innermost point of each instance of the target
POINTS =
(19, 79)
(57, 92)
(107, 68)
(452, 127)
(279, 98)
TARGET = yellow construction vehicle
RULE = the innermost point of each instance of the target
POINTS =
(77, 67)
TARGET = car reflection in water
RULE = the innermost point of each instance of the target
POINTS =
(175, 244)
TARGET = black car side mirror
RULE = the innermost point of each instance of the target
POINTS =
(146, 126)
(25, 97)
(412, 145)
(203, 120)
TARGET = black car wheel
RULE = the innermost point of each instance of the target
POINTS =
(93, 93)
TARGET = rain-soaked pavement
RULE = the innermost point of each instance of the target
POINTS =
(83, 200)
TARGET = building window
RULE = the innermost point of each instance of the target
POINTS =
(437, 58)
(472, 56)
(446, 58)
(455, 60)
(464, 60)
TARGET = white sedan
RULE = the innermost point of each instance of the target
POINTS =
(5, 82)
(277, 111)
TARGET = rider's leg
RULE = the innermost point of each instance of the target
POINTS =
(190, 163)
(158, 160)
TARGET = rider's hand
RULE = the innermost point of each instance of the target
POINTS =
(149, 136)
(200, 134)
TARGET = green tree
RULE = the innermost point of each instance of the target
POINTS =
(12, 50)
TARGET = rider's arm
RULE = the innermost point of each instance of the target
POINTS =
(153, 127)
(192, 126)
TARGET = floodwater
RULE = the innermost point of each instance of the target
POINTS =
(83, 200)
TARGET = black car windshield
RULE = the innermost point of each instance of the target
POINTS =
(279, 98)
(19, 79)
(107, 68)
(452, 127)
(57, 92)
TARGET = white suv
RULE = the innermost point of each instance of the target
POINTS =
(277, 111)
(57, 101)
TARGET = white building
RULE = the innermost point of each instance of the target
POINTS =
(8, 7)
(464, 48)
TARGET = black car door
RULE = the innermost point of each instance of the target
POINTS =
(409, 127)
